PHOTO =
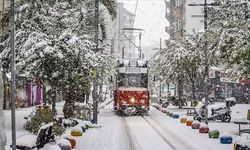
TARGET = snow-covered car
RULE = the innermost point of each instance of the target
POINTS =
(242, 145)
(242, 142)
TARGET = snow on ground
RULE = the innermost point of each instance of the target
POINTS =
(143, 136)
(192, 136)
(135, 133)
(111, 136)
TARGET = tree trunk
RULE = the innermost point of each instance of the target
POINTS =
(100, 93)
(54, 99)
(180, 87)
(193, 89)
(3, 139)
(68, 108)
(6, 90)
(44, 94)
(95, 100)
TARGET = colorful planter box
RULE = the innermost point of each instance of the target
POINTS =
(76, 133)
(167, 113)
(189, 122)
(175, 116)
(214, 134)
(72, 142)
(195, 125)
(64, 147)
(203, 130)
(183, 120)
(226, 139)
(64, 144)
(164, 111)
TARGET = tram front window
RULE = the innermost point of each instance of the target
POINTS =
(133, 80)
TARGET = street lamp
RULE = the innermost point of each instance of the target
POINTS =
(13, 76)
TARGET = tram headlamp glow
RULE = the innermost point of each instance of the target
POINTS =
(132, 100)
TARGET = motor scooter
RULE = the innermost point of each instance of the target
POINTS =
(222, 113)
(164, 103)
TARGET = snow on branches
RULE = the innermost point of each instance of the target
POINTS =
(55, 43)
(232, 20)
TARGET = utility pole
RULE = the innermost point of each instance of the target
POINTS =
(206, 62)
(95, 82)
(140, 49)
(205, 54)
(13, 76)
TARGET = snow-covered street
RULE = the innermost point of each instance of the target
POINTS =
(149, 132)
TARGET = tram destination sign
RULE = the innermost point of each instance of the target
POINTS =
(132, 70)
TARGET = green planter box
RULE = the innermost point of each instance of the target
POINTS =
(214, 134)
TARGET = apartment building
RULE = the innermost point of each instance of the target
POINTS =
(4, 13)
(186, 18)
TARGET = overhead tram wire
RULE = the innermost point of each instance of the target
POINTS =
(135, 10)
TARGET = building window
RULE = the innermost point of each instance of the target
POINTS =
(178, 24)
(178, 3)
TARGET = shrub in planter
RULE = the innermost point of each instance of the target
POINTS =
(43, 116)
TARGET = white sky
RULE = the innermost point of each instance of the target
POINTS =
(150, 16)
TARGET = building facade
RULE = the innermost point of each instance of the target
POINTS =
(186, 18)
(4, 13)
(122, 38)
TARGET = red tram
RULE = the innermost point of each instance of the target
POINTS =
(131, 94)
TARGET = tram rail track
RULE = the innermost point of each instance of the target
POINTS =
(168, 136)
(130, 139)
(158, 131)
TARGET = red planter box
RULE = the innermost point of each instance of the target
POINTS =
(204, 130)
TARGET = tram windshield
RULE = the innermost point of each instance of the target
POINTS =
(133, 80)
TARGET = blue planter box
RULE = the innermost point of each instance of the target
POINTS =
(175, 116)
(226, 140)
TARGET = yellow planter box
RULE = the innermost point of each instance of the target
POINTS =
(76, 133)
(183, 120)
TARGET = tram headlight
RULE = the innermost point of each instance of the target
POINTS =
(132, 100)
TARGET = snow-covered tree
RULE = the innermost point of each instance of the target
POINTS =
(229, 28)
(178, 62)
(3, 139)
(54, 42)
